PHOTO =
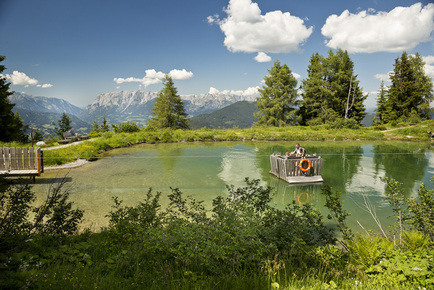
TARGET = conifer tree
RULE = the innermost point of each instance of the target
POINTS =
(331, 90)
(104, 126)
(411, 91)
(278, 101)
(381, 109)
(64, 125)
(314, 91)
(95, 127)
(168, 111)
(11, 125)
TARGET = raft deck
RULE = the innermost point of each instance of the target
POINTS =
(288, 168)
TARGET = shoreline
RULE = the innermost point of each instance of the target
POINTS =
(77, 163)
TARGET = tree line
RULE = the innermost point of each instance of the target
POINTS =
(331, 94)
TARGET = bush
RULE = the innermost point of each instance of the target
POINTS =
(238, 234)
(344, 123)
(126, 127)
(54, 217)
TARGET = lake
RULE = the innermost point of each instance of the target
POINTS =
(202, 170)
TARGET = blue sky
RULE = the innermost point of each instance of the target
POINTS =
(75, 50)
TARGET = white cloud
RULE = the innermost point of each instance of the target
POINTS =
(213, 19)
(21, 79)
(45, 86)
(246, 30)
(251, 91)
(429, 66)
(428, 59)
(383, 77)
(262, 57)
(177, 74)
(400, 29)
(296, 75)
(213, 91)
(153, 77)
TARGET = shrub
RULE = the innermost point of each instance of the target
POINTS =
(55, 216)
(126, 127)
(422, 211)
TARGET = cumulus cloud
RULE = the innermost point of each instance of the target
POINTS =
(365, 32)
(213, 91)
(383, 77)
(153, 77)
(44, 86)
(262, 57)
(180, 74)
(251, 91)
(296, 75)
(429, 66)
(246, 30)
(21, 79)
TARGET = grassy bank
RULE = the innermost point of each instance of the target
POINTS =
(111, 140)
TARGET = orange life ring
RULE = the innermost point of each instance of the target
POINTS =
(301, 165)
(300, 194)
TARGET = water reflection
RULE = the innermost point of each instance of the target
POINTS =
(403, 162)
(203, 170)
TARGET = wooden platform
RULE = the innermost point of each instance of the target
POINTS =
(19, 173)
(288, 169)
(21, 161)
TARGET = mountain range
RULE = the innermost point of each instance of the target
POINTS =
(117, 107)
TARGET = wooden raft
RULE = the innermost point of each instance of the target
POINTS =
(21, 161)
(289, 170)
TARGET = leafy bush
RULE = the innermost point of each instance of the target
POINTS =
(344, 123)
(422, 211)
(240, 232)
(126, 127)
(55, 216)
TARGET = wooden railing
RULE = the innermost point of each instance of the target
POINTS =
(288, 168)
(21, 161)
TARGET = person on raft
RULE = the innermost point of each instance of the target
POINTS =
(299, 151)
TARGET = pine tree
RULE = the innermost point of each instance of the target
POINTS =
(95, 127)
(381, 109)
(331, 91)
(411, 91)
(314, 91)
(168, 111)
(11, 125)
(64, 125)
(423, 87)
(104, 126)
(278, 101)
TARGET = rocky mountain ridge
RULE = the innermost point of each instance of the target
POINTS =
(41, 104)
(117, 107)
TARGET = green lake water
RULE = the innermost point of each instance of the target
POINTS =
(202, 170)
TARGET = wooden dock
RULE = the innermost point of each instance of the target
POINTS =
(289, 169)
(21, 161)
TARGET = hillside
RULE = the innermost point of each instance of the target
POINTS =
(42, 122)
(239, 115)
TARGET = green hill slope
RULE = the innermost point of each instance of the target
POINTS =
(239, 114)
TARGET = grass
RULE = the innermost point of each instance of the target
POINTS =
(110, 140)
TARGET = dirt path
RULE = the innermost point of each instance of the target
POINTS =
(69, 144)
(77, 163)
